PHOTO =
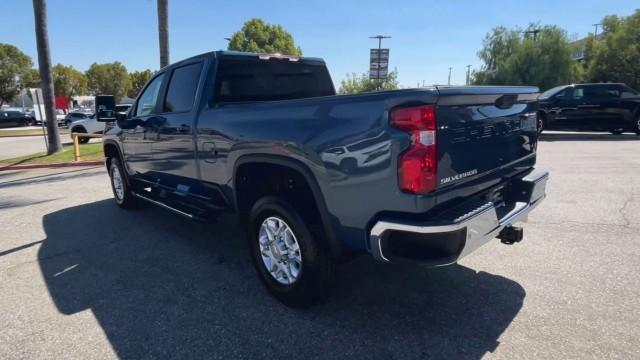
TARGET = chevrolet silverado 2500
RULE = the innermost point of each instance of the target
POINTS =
(419, 175)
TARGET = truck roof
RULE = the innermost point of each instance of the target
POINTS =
(223, 53)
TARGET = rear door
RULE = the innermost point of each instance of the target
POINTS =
(603, 106)
(174, 148)
(482, 131)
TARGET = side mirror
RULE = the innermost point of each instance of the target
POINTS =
(123, 121)
(105, 108)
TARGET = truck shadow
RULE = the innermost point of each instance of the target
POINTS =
(162, 286)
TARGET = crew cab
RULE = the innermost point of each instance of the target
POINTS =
(595, 107)
(419, 175)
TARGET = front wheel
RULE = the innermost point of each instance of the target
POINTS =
(292, 260)
(637, 124)
(121, 191)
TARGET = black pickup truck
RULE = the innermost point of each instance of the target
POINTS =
(422, 175)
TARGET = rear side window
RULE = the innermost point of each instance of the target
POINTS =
(182, 88)
(245, 79)
(602, 92)
(149, 97)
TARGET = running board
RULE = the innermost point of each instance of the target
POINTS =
(165, 206)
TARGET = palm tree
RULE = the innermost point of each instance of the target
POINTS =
(44, 63)
(163, 31)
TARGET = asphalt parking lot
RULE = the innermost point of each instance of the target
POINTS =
(80, 278)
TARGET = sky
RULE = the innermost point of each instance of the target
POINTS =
(428, 37)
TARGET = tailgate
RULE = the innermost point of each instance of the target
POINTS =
(482, 130)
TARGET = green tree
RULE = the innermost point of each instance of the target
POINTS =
(108, 79)
(616, 57)
(354, 84)
(15, 71)
(517, 57)
(259, 37)
(138, 80)
(31, 79)
(68, 81)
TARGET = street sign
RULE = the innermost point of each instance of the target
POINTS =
(378, 64)
(38, 104)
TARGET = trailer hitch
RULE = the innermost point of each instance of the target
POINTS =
(511, 235)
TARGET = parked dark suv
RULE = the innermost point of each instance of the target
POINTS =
(14, 118)
(602, 107)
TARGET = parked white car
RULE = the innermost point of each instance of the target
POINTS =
(88, 125)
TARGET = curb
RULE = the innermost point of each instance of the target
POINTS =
(23, 135)
(52, 165)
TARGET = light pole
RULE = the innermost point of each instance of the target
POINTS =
(596, 33)
(379, 37)
(468, 73)
(449, 78)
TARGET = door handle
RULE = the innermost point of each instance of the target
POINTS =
(209, 152)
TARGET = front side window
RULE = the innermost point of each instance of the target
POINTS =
(571, 93)
(182, 88)
(149, 98)
(628, 92)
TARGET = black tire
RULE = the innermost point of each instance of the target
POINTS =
(636, 123)
(81, 130)
(125, 198)
(67, 123)
(543, 123)
(315, 276)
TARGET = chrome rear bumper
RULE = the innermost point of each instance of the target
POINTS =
(472, 229)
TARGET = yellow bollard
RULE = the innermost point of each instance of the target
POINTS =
(76, 147)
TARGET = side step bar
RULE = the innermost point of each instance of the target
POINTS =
(165, 206)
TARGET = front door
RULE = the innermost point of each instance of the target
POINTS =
(567, 111)
(174, 155)
(136, 141)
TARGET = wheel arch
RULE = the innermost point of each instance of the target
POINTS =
(112, 150)
(297, 167)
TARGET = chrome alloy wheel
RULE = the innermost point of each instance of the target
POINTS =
(118, 184)
(280, 250)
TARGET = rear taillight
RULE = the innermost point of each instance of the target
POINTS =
(418, 164)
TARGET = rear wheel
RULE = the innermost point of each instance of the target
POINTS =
(637, 124)
(121, 191)
(292, 259)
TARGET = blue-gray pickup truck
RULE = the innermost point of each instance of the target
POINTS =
(418, 175)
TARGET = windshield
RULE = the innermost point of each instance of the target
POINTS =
(549, 93)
